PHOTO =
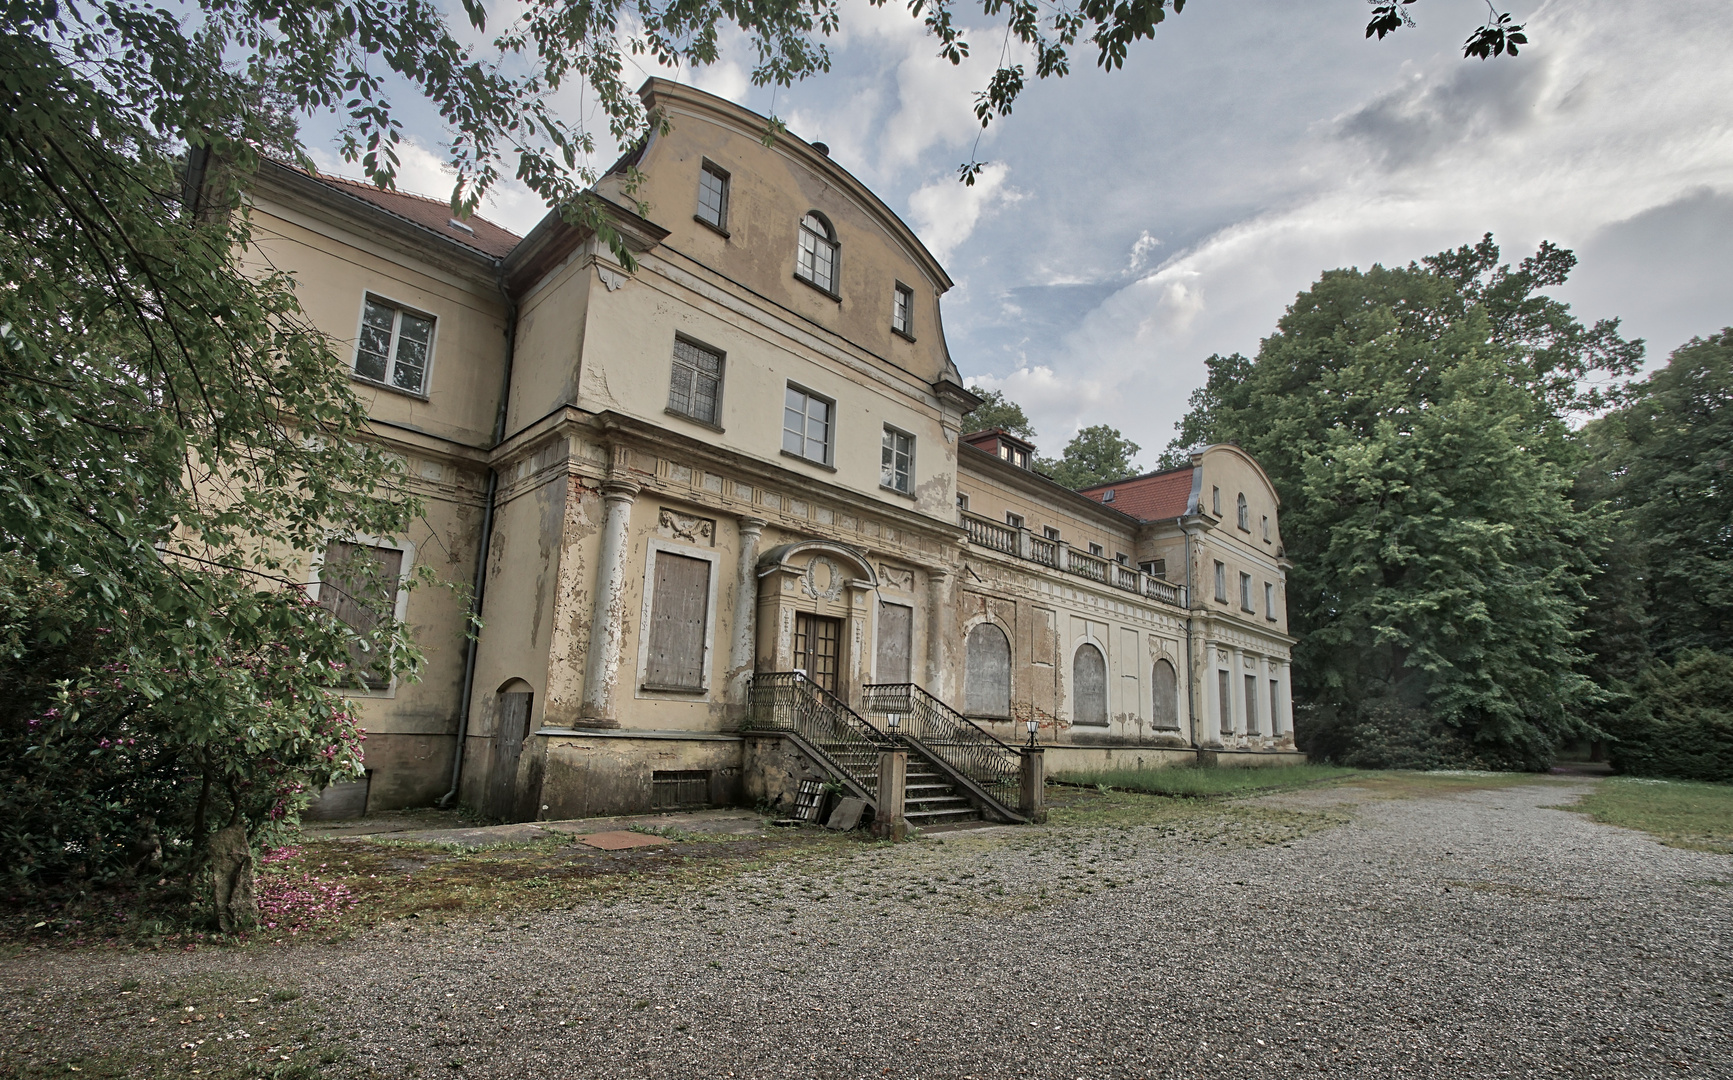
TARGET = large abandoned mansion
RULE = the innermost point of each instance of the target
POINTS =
(730, 529)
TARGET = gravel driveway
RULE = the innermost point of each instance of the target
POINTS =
(1475, 934)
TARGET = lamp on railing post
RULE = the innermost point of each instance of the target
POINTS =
(895, 722)
(1034, 725)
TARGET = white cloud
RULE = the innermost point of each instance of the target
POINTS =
(946, 211)
(1600, 121)
(421, 171)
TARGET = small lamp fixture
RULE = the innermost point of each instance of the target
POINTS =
(895, 720)
(1034, 725)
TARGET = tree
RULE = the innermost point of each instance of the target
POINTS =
(1660, 628)
(1413, 422)
(998, 411)
(1095, 455)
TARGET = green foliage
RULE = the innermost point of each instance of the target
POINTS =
(178, 441)
(1096, 455)
(998, 411)
(1676, 719)
(1413, 422)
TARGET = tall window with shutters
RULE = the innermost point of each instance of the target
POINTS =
(695, 383)
(679, 615)
(358, 583)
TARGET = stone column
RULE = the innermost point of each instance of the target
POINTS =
(938, 631)
(1285, 676)
(888, 823)
(1212, 700)
(743, 643)
(1032, 784)
(607, 621)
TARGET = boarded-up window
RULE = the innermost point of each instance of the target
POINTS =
(679, 609)
(987, 672)
(896, 625)
(1166, 687)
(358, 584)
(1089, 686)
(1275, 707)
(1225, 698)
(1251, 705)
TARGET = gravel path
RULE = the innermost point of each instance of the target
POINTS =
(1469, 935)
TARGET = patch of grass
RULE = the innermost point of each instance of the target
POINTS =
(1189, 782)
(1680, 813)
(214, 1027)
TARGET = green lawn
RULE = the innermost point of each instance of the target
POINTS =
(1188, 782)
(1682, 813)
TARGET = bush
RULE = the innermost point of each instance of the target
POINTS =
(122, 750)
(1383, 732)
(1677, 720)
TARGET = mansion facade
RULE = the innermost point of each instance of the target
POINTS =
(749, 465)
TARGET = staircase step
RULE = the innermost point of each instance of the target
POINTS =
(940, 817)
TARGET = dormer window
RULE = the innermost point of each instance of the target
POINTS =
(816, 261)
(1107, 496)
(1015, 455)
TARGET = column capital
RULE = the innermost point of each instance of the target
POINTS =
(620, 489)
(752, 525)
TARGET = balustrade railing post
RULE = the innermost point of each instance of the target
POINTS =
(888, 820)
(1023, 551)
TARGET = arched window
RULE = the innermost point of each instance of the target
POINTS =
(1089, 686)
(1245, 514)
(1166, 685)
(816, 261)
(987, 673)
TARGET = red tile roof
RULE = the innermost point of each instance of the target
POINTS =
(431, 214)
(1155, 497)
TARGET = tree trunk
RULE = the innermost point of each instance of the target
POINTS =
(232, 894)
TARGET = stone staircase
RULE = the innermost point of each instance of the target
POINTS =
(929, 797)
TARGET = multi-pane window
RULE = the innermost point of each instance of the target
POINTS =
(806, 425)
(1122, 558)
(897, 462)
(1097, 549)
(1221, 583)
(1246, 593)
(394, 347)
(1154, 568)
(713, 196)
(1269, 600)
(695, 384)
(1014, 520)
(903, 310)
(1245, 516)
(1050, 532)
(816, 261)
(1019, 458)
(962, 501)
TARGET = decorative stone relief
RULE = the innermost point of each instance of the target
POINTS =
(822, 580)
(613, 279)
(694, 530)
(897, 578)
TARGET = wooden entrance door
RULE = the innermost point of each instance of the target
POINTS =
(818, 648)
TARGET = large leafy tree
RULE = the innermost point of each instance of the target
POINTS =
(998, 411)
(1662, 618)
(1414, 422)
(1095, 455)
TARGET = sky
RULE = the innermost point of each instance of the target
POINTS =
(1129, 224)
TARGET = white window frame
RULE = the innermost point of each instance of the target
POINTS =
(806, 254)
(400, 604)
(891, 434)
(806, 417)
(1246, 593)
(1221, 582)
(398, 310)
(1098, 551)
(1050, 533)
(963, 501)
(709, 555)
(711, 169)
(1014, 520)
(903, 321)
(1243, 514)
(1270, 600)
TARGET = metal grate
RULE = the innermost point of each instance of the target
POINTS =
(685, 787)
(809, 800)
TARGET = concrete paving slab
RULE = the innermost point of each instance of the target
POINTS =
(621, 840)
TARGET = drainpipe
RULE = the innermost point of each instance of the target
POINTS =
(1190, 672)
(478, 588)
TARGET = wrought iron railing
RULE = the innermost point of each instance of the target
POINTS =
(789, 701)
(990, 534)
(951, 737)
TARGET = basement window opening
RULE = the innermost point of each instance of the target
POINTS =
(679, 787)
